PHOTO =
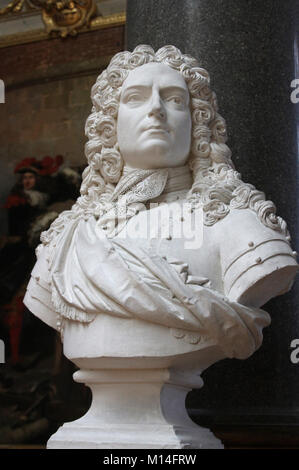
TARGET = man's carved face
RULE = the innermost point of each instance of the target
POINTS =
(154, 120)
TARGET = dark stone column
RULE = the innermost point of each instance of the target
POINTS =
(250, 49)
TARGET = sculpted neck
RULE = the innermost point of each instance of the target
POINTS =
(179, 178)
(178, 183)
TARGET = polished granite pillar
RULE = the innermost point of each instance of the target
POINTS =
(250, 49)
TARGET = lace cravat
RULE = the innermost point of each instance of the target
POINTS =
(135, 188)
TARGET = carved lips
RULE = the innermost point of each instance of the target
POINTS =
(156, 129)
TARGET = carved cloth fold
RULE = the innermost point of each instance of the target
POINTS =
(93, 275)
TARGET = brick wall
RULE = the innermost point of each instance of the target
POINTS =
(48, 99)
(45, 59)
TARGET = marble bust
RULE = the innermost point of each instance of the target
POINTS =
(143, 305)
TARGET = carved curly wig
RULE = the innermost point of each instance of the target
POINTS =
(217, 187)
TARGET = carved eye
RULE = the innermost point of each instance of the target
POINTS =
(134, 97)
(175, 99)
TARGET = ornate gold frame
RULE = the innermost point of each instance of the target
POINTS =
(99, 22)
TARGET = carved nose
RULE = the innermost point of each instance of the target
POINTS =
(156, 107)
(157, 113)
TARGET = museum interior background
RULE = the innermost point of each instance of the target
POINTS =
(49, 58)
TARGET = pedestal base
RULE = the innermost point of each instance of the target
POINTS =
(73, 436)
(134, 409)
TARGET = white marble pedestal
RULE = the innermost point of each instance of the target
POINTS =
(139, 375)
(134, 409)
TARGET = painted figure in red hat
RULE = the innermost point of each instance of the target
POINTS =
(32, 205)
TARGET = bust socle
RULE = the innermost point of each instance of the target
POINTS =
(143, 306)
